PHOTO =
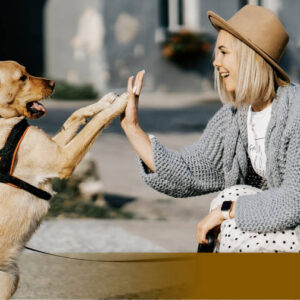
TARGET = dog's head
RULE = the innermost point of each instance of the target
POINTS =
(20, 92)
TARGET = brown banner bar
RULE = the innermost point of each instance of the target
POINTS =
(247, 276)
(163, 276)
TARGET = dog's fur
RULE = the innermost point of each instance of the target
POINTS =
(39, 158)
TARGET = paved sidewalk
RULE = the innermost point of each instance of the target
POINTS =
(46, 277)
(58, 278)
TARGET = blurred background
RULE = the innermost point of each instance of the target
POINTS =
(102, 43)
(91, 47)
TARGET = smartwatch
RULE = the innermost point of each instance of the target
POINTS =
(225, 209)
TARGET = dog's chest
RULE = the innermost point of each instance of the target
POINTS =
(22, 165)
(5, 130)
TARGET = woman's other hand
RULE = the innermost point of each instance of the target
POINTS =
(212, 220)
(129, 119)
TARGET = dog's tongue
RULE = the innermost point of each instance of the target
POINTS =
(38, 106)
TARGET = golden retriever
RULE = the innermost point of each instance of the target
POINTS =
(39, 159)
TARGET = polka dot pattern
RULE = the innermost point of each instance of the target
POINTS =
(232, 239)
(232, 193)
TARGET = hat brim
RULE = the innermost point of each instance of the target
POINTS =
(219, 23)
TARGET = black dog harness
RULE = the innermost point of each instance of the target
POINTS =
(7, 159)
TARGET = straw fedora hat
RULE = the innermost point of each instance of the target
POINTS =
(260, 29)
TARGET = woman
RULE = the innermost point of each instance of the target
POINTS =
(253, 140)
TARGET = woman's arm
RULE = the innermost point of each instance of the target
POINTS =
(142, 145)
(196, 170)
(130, 123)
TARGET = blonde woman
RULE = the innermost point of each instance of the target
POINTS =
(250, 149)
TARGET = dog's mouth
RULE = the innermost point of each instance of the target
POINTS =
(36, 109)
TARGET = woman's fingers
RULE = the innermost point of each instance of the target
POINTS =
(201, 240)
(130, 87)
(130, 84)
(138, 83)
(201, 234)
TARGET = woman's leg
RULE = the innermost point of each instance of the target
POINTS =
(232, 239)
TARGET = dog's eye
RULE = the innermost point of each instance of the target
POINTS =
(23, 77)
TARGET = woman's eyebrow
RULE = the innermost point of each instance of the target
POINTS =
(222, 46)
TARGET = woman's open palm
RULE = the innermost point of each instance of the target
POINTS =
(130, 116)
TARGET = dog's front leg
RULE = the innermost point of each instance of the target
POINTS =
(8, 285)
(73, 152)
(79, 118)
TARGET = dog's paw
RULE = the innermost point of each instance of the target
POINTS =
(119, 104)
(108, 98)
(123, 99)
(93, 109)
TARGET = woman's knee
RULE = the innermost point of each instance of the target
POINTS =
(233, 193)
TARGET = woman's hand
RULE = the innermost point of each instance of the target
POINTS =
(130, 123)
(212, 220)
(129, 119)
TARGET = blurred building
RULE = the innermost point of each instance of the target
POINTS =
(103, 42)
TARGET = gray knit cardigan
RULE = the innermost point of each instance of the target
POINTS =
(219, 160)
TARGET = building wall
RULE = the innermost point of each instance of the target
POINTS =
(75, 34)
(103, 42)
(129, 41)
(288, 13)
(124, 43)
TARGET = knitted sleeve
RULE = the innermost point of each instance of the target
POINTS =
(197, 169)
(276, 208)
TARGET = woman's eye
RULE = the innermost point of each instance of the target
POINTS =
(223, 52)
(23, 77)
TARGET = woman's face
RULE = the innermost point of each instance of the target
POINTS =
(225, 61)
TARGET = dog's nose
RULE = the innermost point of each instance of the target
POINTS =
(52, 84)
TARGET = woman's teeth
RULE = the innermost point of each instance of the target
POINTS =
(224, 74)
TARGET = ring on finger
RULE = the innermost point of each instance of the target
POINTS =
(134, 90)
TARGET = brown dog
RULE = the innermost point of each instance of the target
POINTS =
(39, 159)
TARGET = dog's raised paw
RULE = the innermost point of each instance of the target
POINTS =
(123, 98)
(109, 98)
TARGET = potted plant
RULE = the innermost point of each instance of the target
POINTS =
(185, 47)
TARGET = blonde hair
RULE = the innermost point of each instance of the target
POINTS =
(257, 81)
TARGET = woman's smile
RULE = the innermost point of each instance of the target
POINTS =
(224, 75)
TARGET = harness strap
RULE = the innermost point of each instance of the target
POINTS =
(7, 159)
(11, 146)
(18, 183)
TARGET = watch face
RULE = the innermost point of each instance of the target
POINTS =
(226, 205)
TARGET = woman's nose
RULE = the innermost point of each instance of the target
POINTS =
(217, 62)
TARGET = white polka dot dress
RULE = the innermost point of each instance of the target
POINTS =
(232, 239)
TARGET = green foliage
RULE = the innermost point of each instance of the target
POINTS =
(67, 91)
(69, 203)
(185, 47)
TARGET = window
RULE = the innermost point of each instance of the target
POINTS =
(175, 14)
(251, 2)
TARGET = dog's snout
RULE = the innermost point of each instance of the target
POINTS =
(51, 84)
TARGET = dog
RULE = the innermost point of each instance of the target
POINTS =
(40, 158)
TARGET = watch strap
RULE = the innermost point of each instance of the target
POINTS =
(226, 208)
